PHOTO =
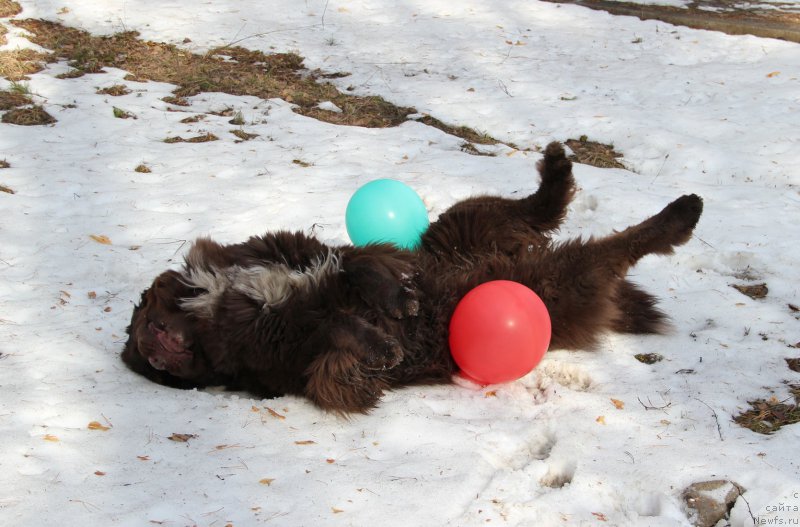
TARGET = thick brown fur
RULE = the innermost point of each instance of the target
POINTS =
(284, 313)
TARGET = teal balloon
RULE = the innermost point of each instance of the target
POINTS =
(386, 211)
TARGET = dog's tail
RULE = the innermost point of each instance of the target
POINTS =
(637, 311)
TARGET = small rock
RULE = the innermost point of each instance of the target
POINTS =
(648, 358)
(711, 501)
(755, 291)
(794, 364)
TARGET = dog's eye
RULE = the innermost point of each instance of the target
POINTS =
(161, 326)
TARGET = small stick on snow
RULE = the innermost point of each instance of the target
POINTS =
(716, 419)
(651, 406)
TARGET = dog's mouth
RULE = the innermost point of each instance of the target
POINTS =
(170, 351)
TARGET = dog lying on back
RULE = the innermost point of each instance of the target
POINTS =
(284, 313)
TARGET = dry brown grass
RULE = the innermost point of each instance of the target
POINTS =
(119, 113)
(233, 70)
(28, 116)
(593, 153)
(237, 71)
(466, 133)
(248, 73)
(205, 138)
(116, 90)
(12, 99)
(769, 415)
(16, 65)
(9, 8)
(649, 358)
(243, 136)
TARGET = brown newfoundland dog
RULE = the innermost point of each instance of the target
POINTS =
(284, 313)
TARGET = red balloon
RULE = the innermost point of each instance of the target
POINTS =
(499, 332)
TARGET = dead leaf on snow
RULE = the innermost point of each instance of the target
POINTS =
(601, 419)
(619, 405)
(94, 425)
(181, 438)
(266, 481)
(275, 414)
(50, 437)
(101, 238)
(306, 442)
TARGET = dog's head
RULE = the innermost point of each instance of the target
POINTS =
(164, 341)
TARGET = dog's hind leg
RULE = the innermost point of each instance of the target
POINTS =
(490, 224)
(659, 234)
(583, 283)
(545, 209)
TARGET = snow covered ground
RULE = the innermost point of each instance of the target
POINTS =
(588, 438)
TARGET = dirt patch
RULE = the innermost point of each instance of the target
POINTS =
(716, 15)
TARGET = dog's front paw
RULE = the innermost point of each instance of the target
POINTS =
(384, 279)
(383, 354)
(402, 300)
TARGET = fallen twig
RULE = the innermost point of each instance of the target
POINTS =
(716, 419)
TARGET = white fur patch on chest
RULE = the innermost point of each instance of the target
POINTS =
(270, 285)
